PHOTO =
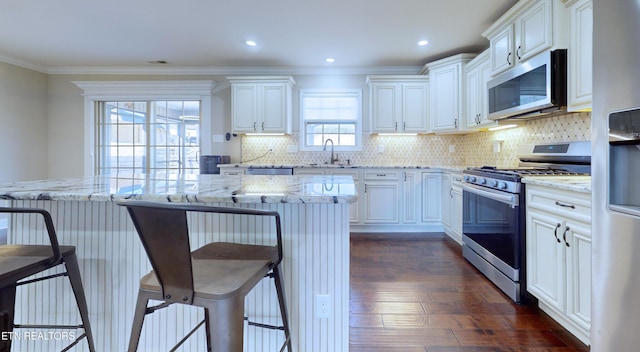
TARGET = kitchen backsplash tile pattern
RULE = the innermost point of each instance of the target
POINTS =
(473, 149)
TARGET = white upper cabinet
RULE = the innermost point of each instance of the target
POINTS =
(528, 28)
(446, 94)
(478, 73)
(261, 104)
(580, 55)
(398, 103)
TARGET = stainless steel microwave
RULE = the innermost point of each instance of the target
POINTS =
(534, 88)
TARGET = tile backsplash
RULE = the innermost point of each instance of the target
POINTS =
(429, 150)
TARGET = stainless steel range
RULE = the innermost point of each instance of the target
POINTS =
(493, 226)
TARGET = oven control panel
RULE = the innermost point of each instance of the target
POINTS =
(493, 183)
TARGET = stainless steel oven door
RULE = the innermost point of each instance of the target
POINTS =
(493, 220)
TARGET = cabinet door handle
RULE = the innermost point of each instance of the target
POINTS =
(564, 236)
(509, 61)
(555, 232)
(565, 205)
(450, 192)
(404, 126)
(365, 188)
(455, 123)
(263, 126)
(254, 126)
(518, 52)
(396, 128)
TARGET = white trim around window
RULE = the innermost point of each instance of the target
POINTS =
(94, 91)
(334, 114)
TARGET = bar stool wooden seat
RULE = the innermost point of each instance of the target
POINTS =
(216, 276)
(18, 262)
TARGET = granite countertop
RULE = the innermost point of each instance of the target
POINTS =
(456, 168)
(580, 184)
(196, 188)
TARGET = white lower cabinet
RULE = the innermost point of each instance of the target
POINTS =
(452, 205)
(403, 200)
(381, 197)
(456, 208)
(559, 256)
(431, 197)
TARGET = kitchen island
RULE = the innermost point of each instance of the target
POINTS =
(315, 220)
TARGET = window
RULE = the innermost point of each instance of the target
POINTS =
(145, 126)
(330, 114)
(148, 137)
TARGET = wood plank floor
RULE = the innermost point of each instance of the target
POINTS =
(419, 295)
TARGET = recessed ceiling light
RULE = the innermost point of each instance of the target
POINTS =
(329, 60)
(250, 43)
(423, 42)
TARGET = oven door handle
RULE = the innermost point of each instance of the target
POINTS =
(503, 197)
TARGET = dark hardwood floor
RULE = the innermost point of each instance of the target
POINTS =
(419, 294)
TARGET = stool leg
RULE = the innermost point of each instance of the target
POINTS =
(138, 320)
(7, 311)
(71, 263)
(226, 324)
(277, 280)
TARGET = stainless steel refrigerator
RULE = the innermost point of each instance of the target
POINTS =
(615, 324)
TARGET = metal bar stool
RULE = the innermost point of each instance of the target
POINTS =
(216, 276)
(18, 262)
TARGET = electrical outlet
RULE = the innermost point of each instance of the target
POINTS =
(323, 306)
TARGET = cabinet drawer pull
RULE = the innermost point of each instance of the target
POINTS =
(381, 175)
(564, 236)
(555, 232)
(565, 205)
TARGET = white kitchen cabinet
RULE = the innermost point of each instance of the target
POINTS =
(446, 94)
(478, 73)
(382, 191)
(528, 28)
(447, 198)
(452, 205)
(558, 255)
(580, 55)
(410, 200)
(261, 104)
(398, 104)
(456, 208)
(431, 197)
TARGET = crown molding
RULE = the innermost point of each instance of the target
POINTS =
(23, 64)
(223, 71)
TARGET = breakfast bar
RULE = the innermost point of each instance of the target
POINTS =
(315, 223)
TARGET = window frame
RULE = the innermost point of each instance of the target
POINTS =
(358, 121)
(96, 91)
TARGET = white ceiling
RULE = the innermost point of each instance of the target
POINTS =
(59, 35)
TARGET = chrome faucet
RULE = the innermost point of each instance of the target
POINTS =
(333, 160)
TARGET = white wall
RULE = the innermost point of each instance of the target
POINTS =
(23, 124)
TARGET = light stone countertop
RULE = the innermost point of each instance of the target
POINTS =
(194, 189)
(580, 184)
(451, 168)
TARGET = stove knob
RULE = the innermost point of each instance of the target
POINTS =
(503, 185)
(494, 183)
(483, 181)
(466, 178)
(472, 179)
